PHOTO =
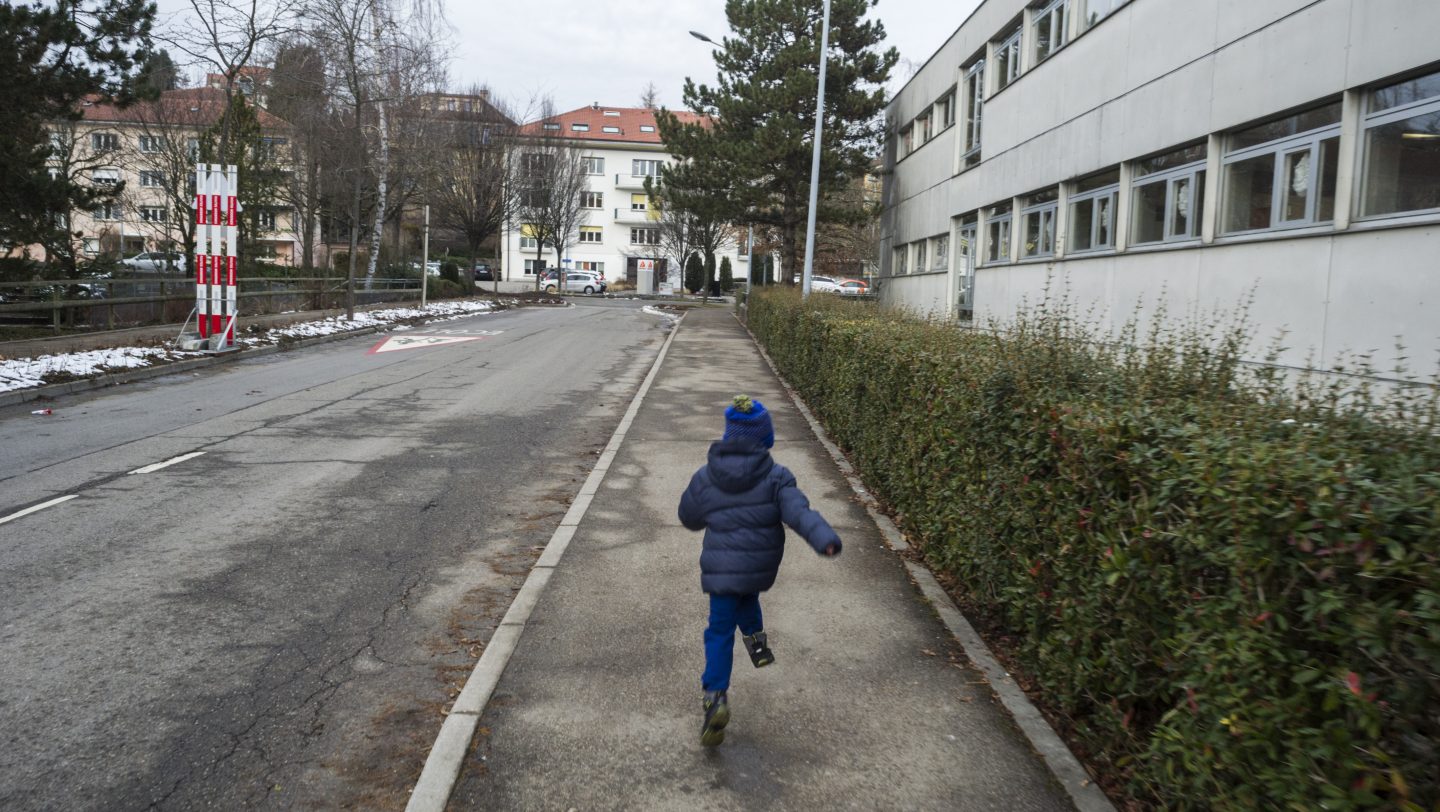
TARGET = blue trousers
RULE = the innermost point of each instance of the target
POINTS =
(727, 612)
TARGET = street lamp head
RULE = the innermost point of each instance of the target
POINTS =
(702, 37)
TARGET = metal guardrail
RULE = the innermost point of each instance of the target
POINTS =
(63, 299)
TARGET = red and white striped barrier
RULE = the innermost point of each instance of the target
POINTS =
(217, 251)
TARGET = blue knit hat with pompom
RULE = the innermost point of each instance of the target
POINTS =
(747, 418)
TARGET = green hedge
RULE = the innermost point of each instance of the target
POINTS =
(1226, 581)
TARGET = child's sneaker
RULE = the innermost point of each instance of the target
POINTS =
(717, 716)
(759, 649)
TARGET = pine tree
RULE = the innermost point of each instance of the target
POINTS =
(55, 55)
(763, 113)
(727, 275)
(694, 273)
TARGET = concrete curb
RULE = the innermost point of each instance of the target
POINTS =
(142, 373)
(447, 755)
(1071, 775)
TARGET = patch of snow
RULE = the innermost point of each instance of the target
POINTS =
(655, 311)
(25, 373)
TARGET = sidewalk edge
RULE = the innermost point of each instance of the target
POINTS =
(1067, 770)
(447, 756)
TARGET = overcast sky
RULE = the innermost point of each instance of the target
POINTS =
(583, 51)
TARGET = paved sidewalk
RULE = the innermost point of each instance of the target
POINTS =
(869, 705)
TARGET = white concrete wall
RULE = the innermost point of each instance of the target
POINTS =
(1155, 75)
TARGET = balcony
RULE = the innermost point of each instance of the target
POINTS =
(630, 182)
(639, 217)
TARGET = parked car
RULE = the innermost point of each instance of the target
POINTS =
(483, 273)
(824, 284)
(155, 262)
(854, 287)
(577, 282)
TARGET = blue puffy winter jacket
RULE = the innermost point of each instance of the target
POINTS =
(739, 499)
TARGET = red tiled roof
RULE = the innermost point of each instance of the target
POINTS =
(628, 120)
(191, 106)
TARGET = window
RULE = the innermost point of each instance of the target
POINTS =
(645, 168)
(550, 126)
(969, 235)
(644, 236)
(594, 165)
(267, 148)
(920, 256)
(105, 177)
(947, 110)
(192, 148)
(91, 245)
(592, 200)
(591, 234)
(974, 90)
(527, 238)
(639, 202)
(610, 129)
(1037, 224)
(580, 128)
(1048, 27)
(922, 125)
(151, 177)
(151, 143)
(1092, 213)
(530, 267)
(104, 142)
(1401, 132)
(997, 234)
(613, 113)
(597, 267)
(1097, 10)
(907, 141)
(153, 214)
(1007, 59)
(940, 250)
(107, 211)
(1282, 173)
(646, 128)
(901, 255)
(264, 220)
(1168, 194)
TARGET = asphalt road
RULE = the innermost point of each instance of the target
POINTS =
(280, 621)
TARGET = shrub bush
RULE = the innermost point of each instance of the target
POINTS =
(694, 273)
(727, 275)
(1226, 581)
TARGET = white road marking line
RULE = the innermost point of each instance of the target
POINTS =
(150, 469)
(27, 511)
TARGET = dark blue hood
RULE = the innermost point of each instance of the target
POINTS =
(736, 465)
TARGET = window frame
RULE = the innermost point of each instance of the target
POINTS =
(919, 261)
(594, 164)
(1059, 28)
(974, 86)
(1192, 173)
(151, 144)
(1381, 118)
(940, 252)
(1010, 44)
(598, 198)
(1280, 149)
(152, 178)
(148, 214)
(597, 232)
(647, 235)
(1110, 191)
(636, 164)
(1048, 212)
(1004, 224)
(104, 142)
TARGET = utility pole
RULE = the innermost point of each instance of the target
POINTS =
(425, 257)
(815, 157)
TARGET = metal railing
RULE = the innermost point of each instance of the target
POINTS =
(106, 303)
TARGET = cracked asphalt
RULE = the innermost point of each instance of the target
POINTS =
(280, 622)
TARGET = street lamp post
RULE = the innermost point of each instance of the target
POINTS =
(815, 156)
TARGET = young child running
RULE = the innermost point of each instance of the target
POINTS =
(739, 498)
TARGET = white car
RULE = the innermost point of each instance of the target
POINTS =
(579, 282)
(823, 284)
(155, 262)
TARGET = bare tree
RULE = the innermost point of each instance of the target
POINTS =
(169, 128)
(650, 97)
(473, 194)
(226, 36)
(298, 96)
(549, 176)
(85, 157)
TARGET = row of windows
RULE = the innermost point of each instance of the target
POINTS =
(149, 144)
(1279, 175)
(639, 167)
(597, 267)
(1041, 31)
(262, 220)
(596, 200)
(594, 235)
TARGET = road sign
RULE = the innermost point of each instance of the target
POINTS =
(412, 342)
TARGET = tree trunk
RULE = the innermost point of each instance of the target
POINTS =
(381, 187)
(354, 247)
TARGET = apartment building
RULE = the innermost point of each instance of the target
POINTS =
(622, 148)
(151, 147)
(1184, 154)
